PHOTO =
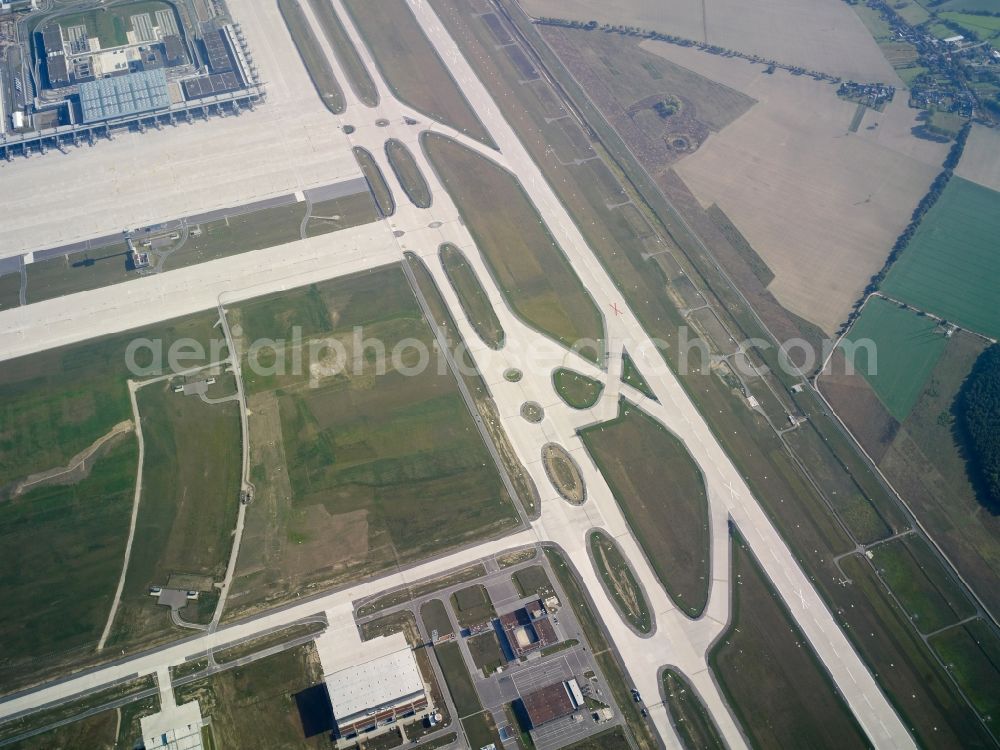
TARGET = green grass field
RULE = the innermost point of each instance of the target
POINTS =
(411, 66)
(435, 617)
(986, 28)
(662, 494)
(472, 606)
(578, 391)
(532, 581)
(471, 295)
(906, 348)
(972, 652)
(188, 506)
(931, 598)
(318, 67)
(485, 650)
(408, 173)
(457, 678)
(620, 582)
(58, 594)
(529, 266)
(688, 714)
(376, 180)
(365, 450)
(633, 377)
(254, 705)
(773, 681)
(951, 267)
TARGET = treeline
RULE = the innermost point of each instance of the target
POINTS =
(978, 407)
(681, 41)
(930, 198)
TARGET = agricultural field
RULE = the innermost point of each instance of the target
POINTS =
(382, 455)
(777, 688)
(927, 465)
(980, 161)
(931, 598)
(688, 714)
(950, 267)
(526, 262)
(255, 705)
(662, 495)
(985, 28)
(350, 62)
(578, 391)
(620, 582)
(376, 181)
(318, 67)
(473, 298)
(790, 32)
(408, 173)
(187, 507)
(791, 179)
(905, 349)
(411, 66)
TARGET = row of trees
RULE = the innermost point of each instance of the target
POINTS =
(978, 407)
(930, 198)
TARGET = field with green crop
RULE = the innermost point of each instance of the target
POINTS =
(906, 348)
(951, 267)
(662, 494)
(368, 448)
(527, 263)
(773, 681)
(411, 66)
(986, 28)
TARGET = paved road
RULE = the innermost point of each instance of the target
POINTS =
(678, 640)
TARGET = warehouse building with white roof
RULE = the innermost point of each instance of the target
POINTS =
(372, 684)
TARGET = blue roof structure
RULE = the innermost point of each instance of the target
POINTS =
(120, 96)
